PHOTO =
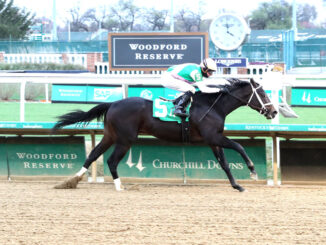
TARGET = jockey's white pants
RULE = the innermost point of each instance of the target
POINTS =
(169, 81)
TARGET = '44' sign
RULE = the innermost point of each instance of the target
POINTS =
(306, 98)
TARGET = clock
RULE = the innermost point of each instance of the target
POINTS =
(228, 31)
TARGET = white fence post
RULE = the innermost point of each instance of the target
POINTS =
(22, 101)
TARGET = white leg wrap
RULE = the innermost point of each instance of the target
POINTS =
(81, 171)
(117, 184)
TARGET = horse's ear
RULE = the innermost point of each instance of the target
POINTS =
(252, 81)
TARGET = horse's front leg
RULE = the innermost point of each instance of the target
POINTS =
(219, 154)
(228, 143)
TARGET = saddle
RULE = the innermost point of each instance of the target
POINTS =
(163, 109)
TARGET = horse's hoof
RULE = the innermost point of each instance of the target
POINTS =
(242, 189)
(254, 176)
(239, 188)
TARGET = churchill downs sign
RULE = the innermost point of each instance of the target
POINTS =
(155, 51)
(150, 159)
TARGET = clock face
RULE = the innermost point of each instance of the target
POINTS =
(228, 31)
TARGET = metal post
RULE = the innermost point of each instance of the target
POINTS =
(124, 91)
(94, 166)
(22, 101)
(69, 34)
(294, 18)
(54, 28)
(46, 92)
(171, 18)
(275, 164)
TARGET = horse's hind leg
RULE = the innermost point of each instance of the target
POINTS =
(219, 154)
(99, 149)
(118, 153)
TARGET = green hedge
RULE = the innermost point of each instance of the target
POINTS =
(40, 67)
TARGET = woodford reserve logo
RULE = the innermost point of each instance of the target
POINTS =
(47, 160)
(158, 47)
(155, 51)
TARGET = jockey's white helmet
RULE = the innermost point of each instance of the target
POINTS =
(208, 64)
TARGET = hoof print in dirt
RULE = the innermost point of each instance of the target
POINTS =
(69, 184)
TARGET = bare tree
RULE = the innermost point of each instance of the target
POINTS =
(125, 13)
(156, 18)
(188, 21)
(306, 15)
(81, 22)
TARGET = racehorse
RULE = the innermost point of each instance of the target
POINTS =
(125, 119)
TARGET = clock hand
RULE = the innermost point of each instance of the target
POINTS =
(227, 26)
(230, 33)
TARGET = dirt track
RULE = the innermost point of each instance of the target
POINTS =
(34, 213)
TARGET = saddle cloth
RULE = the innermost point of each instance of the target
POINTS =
(164, 111)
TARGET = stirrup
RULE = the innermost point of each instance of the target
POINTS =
(179, 113)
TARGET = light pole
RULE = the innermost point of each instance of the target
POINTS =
(171, 17)
(294, 19)
(54, 29)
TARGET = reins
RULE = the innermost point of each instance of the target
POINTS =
(261, 109)
(210, 108)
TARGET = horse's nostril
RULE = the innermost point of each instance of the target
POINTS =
(274, 113)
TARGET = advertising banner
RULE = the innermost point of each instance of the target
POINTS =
(104, 94)
(231, 62)
(68, 93)
(156, 160)
(305, 96)
(155, 51)
(152, 92)
(85, 93)
(45, 156)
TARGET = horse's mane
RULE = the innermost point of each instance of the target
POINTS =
(231, 84)
(234, 82)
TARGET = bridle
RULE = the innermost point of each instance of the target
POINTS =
(263, 106)
(262, 109)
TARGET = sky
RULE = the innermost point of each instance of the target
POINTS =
(211, 7)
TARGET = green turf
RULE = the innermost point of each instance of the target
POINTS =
(46, 112)
(38, 112)
(307, 115)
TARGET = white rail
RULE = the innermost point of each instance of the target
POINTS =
(76, 59)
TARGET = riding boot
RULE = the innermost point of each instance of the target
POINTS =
(181, 104)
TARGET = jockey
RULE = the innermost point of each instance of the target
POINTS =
(183, 77)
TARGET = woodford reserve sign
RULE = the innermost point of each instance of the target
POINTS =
(155, 51)
(43, 156)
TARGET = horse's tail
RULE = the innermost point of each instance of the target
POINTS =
(83, 117)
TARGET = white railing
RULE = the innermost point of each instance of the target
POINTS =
(103, 68)
(76, 59)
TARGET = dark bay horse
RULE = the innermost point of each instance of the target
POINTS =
(125, 119)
